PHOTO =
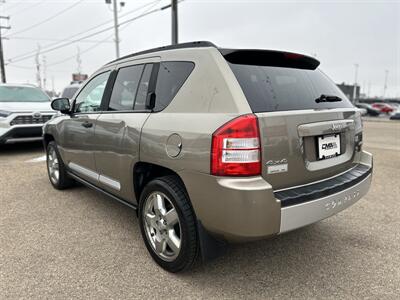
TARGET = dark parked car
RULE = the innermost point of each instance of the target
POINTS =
(370, 110)
(395, 116)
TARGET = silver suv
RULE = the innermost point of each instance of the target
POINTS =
(23, 111)
(211, 145)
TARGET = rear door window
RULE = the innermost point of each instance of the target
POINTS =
(171, 76)
(125, 88)
(279, 88)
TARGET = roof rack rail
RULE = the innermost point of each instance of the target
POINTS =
(197, 44)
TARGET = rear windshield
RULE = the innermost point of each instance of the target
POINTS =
(22, 94)
(277, 89)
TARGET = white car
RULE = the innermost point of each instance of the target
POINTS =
(23, 111)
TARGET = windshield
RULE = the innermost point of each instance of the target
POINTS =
(69, 92)
(22, 94)
(277, 88)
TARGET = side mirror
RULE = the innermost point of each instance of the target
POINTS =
(62, 105)
(151, 101)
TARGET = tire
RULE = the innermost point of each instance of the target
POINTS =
(56, 170)
(160, 232)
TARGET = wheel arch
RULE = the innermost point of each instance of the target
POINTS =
(47, 138)
(144, 172)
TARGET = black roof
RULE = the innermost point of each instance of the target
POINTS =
(198, 44)
(245, 56)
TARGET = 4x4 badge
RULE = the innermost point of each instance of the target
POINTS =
(277, 166)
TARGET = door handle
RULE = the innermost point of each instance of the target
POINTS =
(87, 124)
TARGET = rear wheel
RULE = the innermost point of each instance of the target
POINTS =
(56, 169)
(168, 224)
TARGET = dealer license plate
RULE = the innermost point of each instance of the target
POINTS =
(328, 146)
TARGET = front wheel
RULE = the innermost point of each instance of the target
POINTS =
(56, 169)
(168, 224)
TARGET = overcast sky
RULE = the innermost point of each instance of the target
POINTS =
(339, 33)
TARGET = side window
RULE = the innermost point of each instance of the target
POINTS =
(125, 88)
(171, 77)
(89, 98)
(141, 96)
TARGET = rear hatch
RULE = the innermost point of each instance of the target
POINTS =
(307, 125)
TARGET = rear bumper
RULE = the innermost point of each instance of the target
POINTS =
(299, 215)
(243, 209)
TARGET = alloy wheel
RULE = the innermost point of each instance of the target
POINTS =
(162, 226)
(53, 166)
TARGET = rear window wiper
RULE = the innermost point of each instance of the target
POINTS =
(327, 98)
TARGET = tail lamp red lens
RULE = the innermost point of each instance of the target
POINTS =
(235, 149)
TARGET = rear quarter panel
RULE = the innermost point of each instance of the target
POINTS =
(204, 103)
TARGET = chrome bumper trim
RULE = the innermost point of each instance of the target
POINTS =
(296, 216)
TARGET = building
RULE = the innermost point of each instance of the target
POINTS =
(348, 90)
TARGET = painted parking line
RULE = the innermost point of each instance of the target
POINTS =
(37, 159)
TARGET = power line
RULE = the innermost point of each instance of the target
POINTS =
(12, 5)
(27, 8)
(81, 52)
(32, 68)
(70, 38)
(94, 46)
(52, 39)
(46, 20)
(87, 36)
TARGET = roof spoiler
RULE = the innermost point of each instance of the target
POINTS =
(270, 58)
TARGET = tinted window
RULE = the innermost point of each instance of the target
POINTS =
(89, 98)
(125, 88)
(22, 94)
(171, 77)
(141, 95)
(277, 89)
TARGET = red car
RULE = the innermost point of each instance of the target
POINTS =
(383, 107)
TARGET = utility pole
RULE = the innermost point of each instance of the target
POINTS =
(174, 21)
(3, 70)
(116, 24)
(79, 61)
(44, 72)
(53, 93)
(37, 61)
(115, 10)
(385, 85)
(355, 83)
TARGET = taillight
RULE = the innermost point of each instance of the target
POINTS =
(235, 149)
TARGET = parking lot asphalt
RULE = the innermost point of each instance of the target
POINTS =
(80, 244)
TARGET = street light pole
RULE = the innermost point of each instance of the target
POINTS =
(174, 21)
(355, 83)
(385, 85)
(115, 10)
